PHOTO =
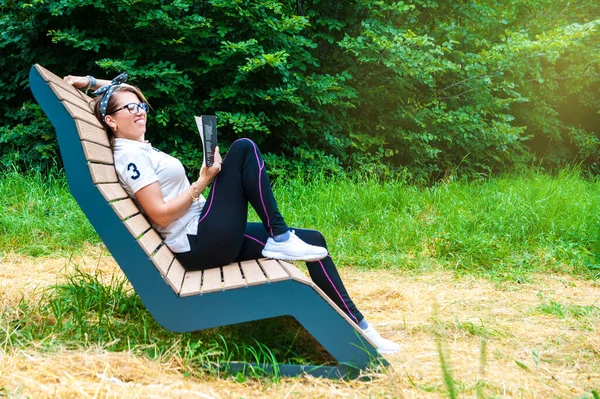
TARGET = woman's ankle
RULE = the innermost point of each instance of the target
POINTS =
(283, 237)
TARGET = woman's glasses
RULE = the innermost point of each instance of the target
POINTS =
(134, 108)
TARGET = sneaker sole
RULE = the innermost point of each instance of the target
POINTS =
(381, 352)
(279, 256)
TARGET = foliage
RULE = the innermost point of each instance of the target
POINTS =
(423, 87)
(251, 65)
(440, 83)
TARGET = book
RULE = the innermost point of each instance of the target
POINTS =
(207, 127)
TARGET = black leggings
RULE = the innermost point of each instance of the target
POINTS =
(224, 235)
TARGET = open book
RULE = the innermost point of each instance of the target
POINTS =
(207, 126)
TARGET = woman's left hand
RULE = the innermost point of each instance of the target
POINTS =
(79, 82)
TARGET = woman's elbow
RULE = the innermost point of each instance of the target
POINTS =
(162, 225)
(159, 221)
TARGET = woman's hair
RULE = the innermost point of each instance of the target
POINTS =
(113, 103)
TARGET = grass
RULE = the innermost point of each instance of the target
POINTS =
(525, 345)
(501, 228)
(40, 217)
(504, 229)
(581, 317)
(85, 312)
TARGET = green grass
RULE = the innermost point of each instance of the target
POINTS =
(40, 217)
(505, 227)
(501, 228)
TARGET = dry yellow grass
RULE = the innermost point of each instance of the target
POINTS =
(410, 309)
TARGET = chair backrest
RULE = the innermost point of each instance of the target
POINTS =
(85, 135)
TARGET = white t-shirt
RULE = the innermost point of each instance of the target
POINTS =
(138, 164)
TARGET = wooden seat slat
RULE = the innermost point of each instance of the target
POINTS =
(175, 275)
(273, 270)
(162, 259)
(137, 225)
(125, 208)
(232, 277)
(67, 95)
(52, 78)
(79, 113)
(295, 272)
(252, 272)
(150, 241)
(93, 133)
(211, 280)
(97, 153)
(112, 191)
(103, 173)
(191, 283)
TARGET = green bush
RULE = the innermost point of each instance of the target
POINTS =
(419, 87)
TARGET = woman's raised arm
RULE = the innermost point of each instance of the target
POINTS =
(85, 82)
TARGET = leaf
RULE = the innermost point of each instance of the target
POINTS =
(536, 357)
(522, 365)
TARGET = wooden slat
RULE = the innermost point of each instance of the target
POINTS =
(175, 276)
(92, 133)
(137, 225)
(125, 208)
(97, 153)
(163, 259)
(150, 241)
(211, 280)
(50, 77)
(232, 277)
(295, 273)
(191, 283)
(103, 173)
(69, 96)
(112, 191)
(79, 113)
(273, 270)
(253, 273)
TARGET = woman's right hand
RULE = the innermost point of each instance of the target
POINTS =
(79, 82)
(207, 174)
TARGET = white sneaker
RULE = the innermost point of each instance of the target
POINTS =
(293, 249)
(384, 346)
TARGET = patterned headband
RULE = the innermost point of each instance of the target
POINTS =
(107, 91)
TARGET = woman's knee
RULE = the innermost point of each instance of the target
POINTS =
(312, 237)
(243, 144)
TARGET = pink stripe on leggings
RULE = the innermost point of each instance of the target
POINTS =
(326, 275)
(212, 195)
(254, 239)
(337, 292)
(260, 169)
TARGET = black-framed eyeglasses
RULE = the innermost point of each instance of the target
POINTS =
(134, 108)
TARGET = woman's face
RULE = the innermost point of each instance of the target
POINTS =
(127, 125)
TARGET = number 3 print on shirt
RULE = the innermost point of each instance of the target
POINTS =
(134, 169)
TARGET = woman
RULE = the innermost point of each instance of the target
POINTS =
(209, 233)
